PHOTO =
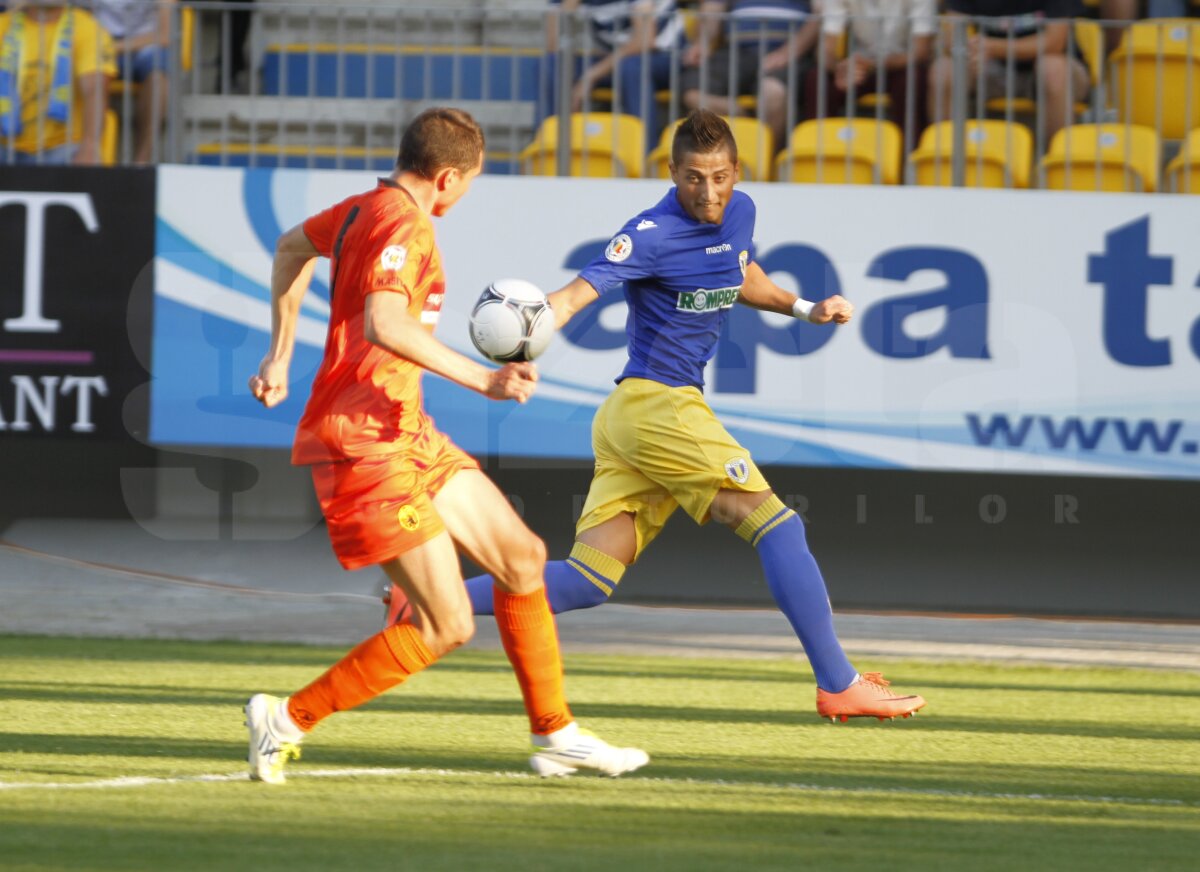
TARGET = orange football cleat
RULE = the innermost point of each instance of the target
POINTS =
(868, 697)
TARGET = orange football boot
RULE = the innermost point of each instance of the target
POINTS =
(868, 697)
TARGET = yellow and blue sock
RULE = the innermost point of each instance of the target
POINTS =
(585, 579)
(794, 578)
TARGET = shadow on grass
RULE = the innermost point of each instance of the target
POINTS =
(254, 827)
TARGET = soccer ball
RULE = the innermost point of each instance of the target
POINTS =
(512, 321)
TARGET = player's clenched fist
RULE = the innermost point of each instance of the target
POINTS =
(513, 381)
(269, 386)
(837, 309)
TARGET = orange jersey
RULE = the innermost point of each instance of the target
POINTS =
(365, 400)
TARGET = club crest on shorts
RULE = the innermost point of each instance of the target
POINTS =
(393, 257)
(737, 469)
(620, 248)
(409, 518)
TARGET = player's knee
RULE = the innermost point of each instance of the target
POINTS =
(453, 632)
(524, 564)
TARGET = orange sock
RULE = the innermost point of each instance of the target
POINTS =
(374, 665)
(530, 639)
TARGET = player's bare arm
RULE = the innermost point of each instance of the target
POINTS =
(759, 292)
(291, 271)
(569, 299)
(386, 323)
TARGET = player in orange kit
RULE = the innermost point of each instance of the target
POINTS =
(393, 489)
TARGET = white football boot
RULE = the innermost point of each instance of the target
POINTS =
(274, 739)
(570, 749)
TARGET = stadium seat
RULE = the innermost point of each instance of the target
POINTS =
(601, 145)
(657, 161)
(1102, 157)
(1156, 75)
(998, 155)
(842, 151)
(1183, 172)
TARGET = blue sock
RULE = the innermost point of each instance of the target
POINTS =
(585, 579)
(795, 581)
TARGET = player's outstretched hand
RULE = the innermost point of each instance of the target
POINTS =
(513, 381)
(269, 385)
(837, 309)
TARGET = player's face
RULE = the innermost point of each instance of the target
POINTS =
(452, 185)
(704, 184)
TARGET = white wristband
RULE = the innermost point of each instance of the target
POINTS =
(802, 308)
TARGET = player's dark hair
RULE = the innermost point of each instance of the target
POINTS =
(440, 138)
(703, 132)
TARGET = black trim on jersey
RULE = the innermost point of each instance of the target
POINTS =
(337, 250)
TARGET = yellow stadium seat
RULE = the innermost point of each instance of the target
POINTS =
(1102, 157)
(658, 161)
(1183, 172)
(600, 146)
(756, 146)
(842, 151)
(1156, 75)
(997, 155)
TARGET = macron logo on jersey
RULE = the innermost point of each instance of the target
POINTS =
(646, 224)
(707, 301)
(717, 249)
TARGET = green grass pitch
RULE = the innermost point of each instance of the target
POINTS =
(1010, 767)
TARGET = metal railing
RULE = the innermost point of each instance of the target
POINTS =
(334, 86)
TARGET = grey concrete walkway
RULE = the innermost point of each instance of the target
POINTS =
(276, 583)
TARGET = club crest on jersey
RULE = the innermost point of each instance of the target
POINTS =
(707, 301)
(620, 248)
(410, 519)
(743, 261)
(737, 469)
(393, 257)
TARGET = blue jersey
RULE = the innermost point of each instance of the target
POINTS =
(682, 277)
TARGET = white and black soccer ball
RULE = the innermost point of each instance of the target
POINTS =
(512, 321)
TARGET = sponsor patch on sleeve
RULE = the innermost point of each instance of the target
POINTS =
(393, 258)
(620, 248)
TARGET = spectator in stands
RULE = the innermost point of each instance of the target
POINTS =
(629, 36)
(141, 32)
(55, 66)
(886, 36)
(1117, 10)
(768, 42)
(1033, 33)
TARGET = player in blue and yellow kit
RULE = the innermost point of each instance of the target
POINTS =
(685, 262)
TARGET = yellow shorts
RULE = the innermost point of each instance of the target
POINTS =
(659, 447)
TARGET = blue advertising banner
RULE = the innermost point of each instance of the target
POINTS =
(996, 331)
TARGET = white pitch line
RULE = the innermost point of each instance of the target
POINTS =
(382, 772)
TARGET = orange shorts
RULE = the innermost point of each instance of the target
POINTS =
(377, 508)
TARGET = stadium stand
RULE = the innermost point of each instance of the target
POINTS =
(334, 84)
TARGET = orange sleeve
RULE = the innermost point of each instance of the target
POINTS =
(402, 258)
(320, 229)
